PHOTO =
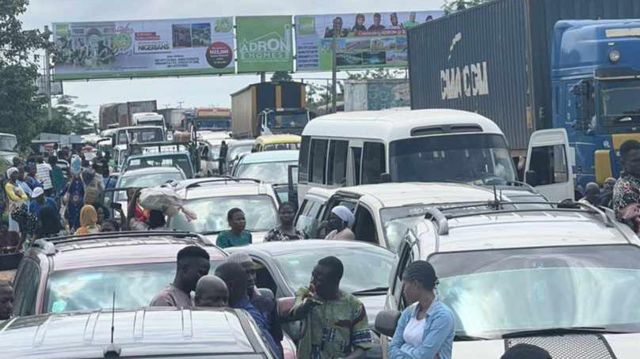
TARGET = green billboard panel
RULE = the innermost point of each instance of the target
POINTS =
(264, 43)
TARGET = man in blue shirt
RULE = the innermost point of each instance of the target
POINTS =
(38, 200)
(235, 277)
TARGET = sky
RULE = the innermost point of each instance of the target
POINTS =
(187, 91)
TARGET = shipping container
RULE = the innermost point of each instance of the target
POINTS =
(378, 94)
(495, 59)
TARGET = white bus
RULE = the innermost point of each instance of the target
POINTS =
(353, 148)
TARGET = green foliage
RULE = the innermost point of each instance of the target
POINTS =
(68, 117)
(281, 76)
(377, 74)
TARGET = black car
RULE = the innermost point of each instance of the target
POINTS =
(143, 333)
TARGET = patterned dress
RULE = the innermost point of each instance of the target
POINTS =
(625, 192)
(276, 235)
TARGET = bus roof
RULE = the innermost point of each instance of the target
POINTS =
(395, 124)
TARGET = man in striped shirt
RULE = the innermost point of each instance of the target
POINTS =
(43, 174)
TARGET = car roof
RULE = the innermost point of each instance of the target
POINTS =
(222, 187)
(136, 128)
(150, 170)
(270, 156)
(402, 194)
(120, 248)
(392, 124)
(284, 138)
(309, 245)
(527, 228)
(160, 154)
(143, 332)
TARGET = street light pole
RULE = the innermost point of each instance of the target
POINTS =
(47, 76)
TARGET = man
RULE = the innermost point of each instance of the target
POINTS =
(394, 21)
(192, 264)
(263, 299)
(6, 300)
(43, 173)
(236, 279)
(411, 22)
(377, 26)
(339, 222)
(38, 200)
(606, 197)
(626, 192)
(31, 179)
(337, 29)
(336, 321)
(211, 292)
(591, 194)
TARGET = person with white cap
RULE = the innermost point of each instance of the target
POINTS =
(16, 197)
(39, 200)
(339, 222)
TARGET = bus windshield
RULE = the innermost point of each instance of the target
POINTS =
(471, 158)
(219, 123)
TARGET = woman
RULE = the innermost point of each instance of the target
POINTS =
(88, 221)
(48, 223)
(15, 196)
(237, 236)
(137, 216)
(74, 199)
(359, 26)
(426, 328)
(339, 222)
(285, 231)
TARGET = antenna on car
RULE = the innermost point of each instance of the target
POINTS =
(113, 351)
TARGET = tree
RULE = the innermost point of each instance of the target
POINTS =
(68, 117)
(377, 74)
(20, 105)
(281, 76)
(451, 6)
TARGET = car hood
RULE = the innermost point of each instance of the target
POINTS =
(588, 346)
(373, 304)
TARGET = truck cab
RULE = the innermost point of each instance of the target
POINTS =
(283, 121)
(596, 92)
(148, 119)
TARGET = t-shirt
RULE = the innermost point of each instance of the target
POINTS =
(43, 174)
(228, 239)
(171, 296)
(335, 328)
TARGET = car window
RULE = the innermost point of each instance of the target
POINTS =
(405, 258)
(308, 219)
(93, 288)
(550, 164)
(26, 287)
(365, 226)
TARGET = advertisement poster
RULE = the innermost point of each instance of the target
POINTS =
(362, 40)
(264, 44)
(90, 50)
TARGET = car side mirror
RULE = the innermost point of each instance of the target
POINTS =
(531, 178)
(386, 322)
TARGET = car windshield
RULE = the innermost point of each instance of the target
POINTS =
(270, 172)
(213, 124)
(93, 288)
(497, 292)
(236, 151)
(620, 102)
(478, 159)
(287, 120)
(359, 274)
(260, 213)
(142, 135)
(145, 181)
(181, 161)
(8, 143)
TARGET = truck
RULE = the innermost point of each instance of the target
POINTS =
(120, 113)
(209, 119)
(148, 119)
(376, 94)
(174, 118)
(567, 66)
(269, 108)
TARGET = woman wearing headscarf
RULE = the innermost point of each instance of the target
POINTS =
(339, 222)
(88, 221)
(15, 196)
(426, 328)
(74, 199)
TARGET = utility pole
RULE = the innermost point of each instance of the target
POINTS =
(263, 77)
(47, 76)
(334, 71)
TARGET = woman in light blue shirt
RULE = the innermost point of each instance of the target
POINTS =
(425, 329)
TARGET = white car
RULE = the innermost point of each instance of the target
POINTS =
(211, 198)
(564, 279)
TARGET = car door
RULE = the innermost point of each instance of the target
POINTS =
(549, 164)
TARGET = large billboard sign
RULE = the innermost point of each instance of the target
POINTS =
(264, 44)
(362, 40)
(89, 50)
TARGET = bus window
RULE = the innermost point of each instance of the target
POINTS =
(303, 171)
(373, 162)
(318, 161)
(338, 163)
(356, 156)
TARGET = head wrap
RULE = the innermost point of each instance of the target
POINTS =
(11, 171)
(344, 214)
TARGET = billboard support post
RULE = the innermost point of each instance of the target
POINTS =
(47, 76)
(334, 72)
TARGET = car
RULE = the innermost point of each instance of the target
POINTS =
(181, 160)
(566, 279)
(269, 167)
(383, 211)
(235, 150)
(140, 333)
(277, 143)
(211, 199)
(141, 178)
(286, 266)
(82, 272)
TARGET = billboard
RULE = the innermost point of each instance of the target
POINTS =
(264, 43)
(89, 50)
(362, 40)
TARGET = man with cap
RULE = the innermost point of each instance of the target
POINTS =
(39, 200)
(262, 299)
(339, 222)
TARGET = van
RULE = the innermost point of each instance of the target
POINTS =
(437, 145)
